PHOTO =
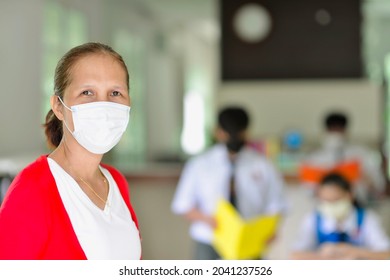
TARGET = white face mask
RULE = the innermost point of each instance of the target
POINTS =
(337, 210)
(98, 126)
(334, 141)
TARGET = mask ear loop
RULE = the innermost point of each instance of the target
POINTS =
(64, 103)
(59, 98)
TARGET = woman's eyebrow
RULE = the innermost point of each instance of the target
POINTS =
(119, 87)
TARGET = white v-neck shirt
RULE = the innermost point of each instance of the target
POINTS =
(108, 234)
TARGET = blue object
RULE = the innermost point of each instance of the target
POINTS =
(293, 140)
(338, 236)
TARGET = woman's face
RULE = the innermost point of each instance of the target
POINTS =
(97, 77)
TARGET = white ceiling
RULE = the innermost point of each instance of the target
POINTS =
(196, 16)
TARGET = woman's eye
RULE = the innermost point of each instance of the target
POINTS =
(115, 93)
(86, 92)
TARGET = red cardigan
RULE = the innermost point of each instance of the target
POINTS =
(33, 221)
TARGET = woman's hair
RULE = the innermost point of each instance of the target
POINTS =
(62, 79)
(337, 180)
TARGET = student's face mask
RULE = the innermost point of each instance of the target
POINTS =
(337, 210)
(334, 140)
(98, 126)
(234, 144)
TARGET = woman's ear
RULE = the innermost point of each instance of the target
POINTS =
(56, 106)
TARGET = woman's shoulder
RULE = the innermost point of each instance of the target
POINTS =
(35, 173)
(33, 183)
(370, 216)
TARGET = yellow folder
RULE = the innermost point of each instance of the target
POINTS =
(235, 238)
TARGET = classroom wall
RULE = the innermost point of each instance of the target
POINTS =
(280, 105)
(274, 105)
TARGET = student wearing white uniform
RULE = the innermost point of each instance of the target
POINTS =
(258, 187)
(335, 149)
(339, 228)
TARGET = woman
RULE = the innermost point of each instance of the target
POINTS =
(340, 229)
(68, 205)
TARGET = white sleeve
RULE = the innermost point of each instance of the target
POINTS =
(374, 236)
(306, 239)
(276, 200)
(185, 196)
(372, 169)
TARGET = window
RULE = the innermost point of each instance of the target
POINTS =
(198, 113)
(376, 42)
(132, 146)
(63, 28)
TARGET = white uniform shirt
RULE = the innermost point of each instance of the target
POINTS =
(205, 179)
(372, 235)
(103, 234)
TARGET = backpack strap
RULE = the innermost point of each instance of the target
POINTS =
(360, 213)
(320, 235)
(360, 217)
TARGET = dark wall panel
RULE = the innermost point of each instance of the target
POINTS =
(298, 46)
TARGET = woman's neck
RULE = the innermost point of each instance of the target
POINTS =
(77, 161)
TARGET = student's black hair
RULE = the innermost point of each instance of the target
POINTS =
(336, 120)
(233, 120)
(338, 180)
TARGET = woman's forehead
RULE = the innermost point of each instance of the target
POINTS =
(98, 67)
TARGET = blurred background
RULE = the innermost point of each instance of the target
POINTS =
(287, 62)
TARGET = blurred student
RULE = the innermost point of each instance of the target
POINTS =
(339, 228)
(68, 205)
(228, 170)
(336, 149)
